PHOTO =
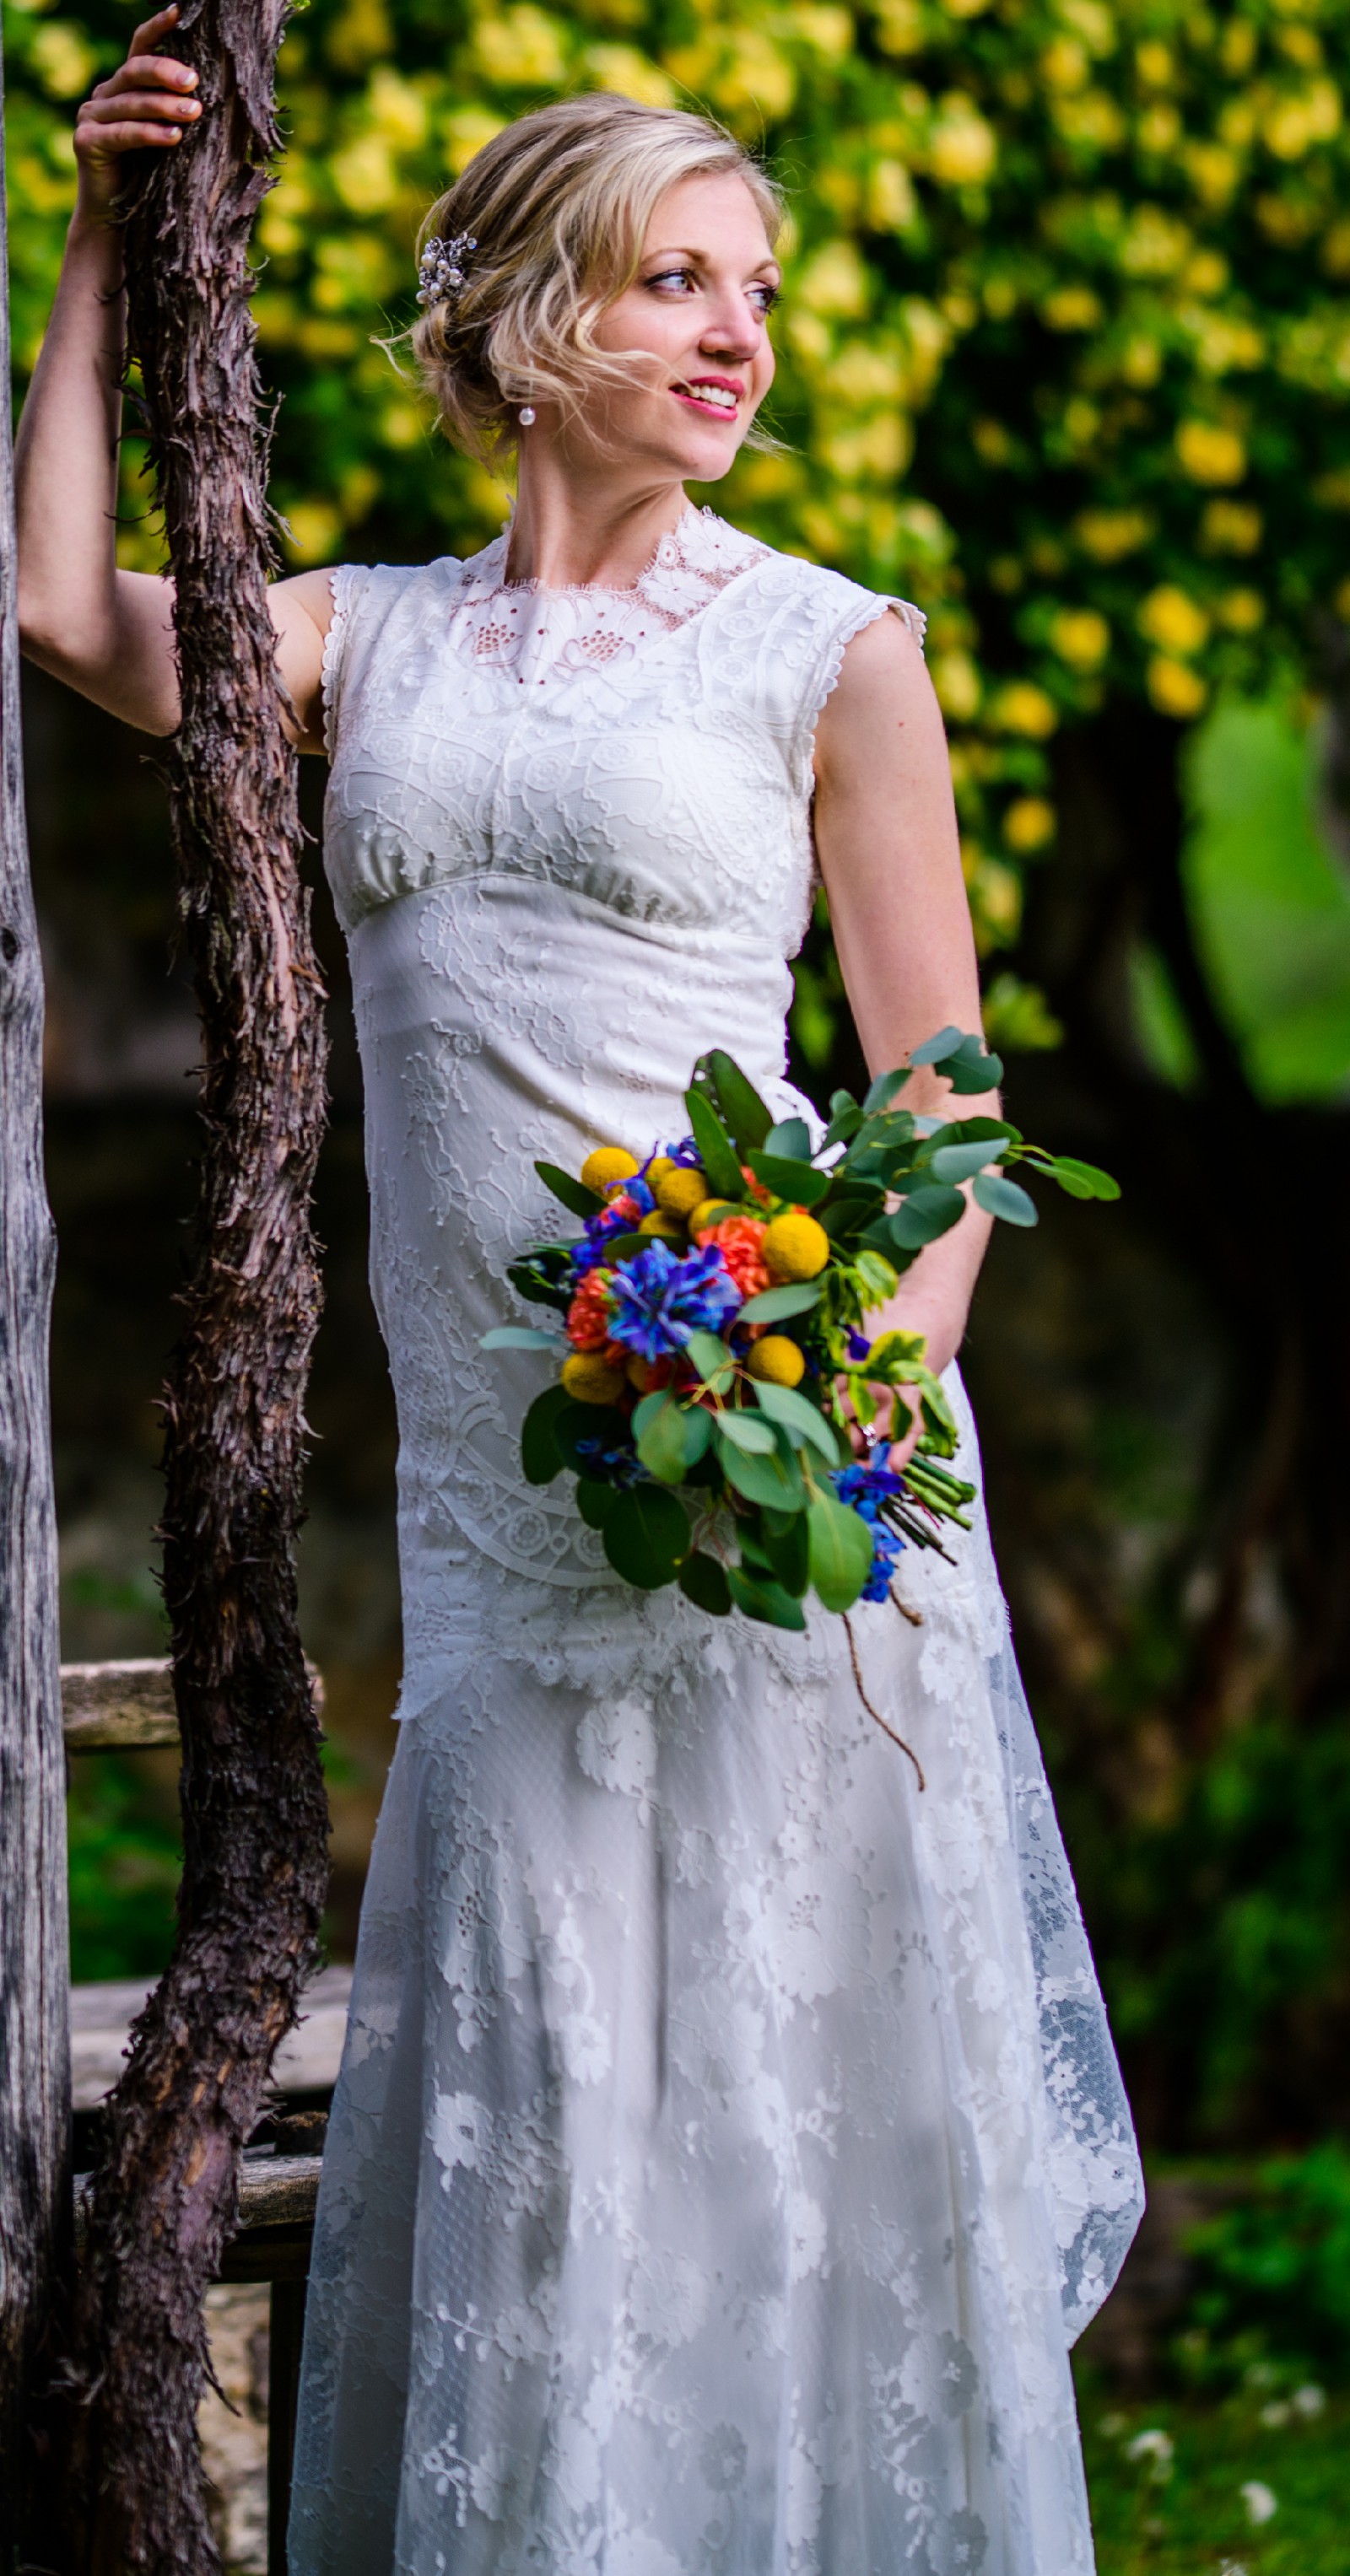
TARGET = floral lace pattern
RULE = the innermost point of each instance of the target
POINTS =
(729, 2140)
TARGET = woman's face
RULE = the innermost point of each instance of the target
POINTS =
(697, 310)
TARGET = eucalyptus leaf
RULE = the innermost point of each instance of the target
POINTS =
(789, 1179)
(716, 1152)
(746, 1115)
(710, 1356)
(521, 1337)
(626, 1247)
(787, 1547)
(774, 1305)
(882, 1092)
(705, 1583)
(790, 1136)
(670, 1438)
(968, 1131)
(541, 1458)
(845, 1119)
(840, 1550)
(925, 1213)
(595, 1502)
(1082, 1180)
(849, 1213)
(747, 1431)
(1001, 1197)
(646, 1536)
(934, 1050)
(572, 1192)
(801, 1419)
(765, 1601)
(774, 1479)
(961, 1162)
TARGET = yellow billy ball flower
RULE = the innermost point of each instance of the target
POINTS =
(1029, 823)
(641, 1373)
(777, 1360)
(711, 1212)
(608, 1164)
(657, 1168)
(1023, 708)
(680, 1189)
(589, 1379)
(1081, 637)
(667, 1229)
(1175, 689)
(795, 1247)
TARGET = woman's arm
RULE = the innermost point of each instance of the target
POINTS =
(109, 634)
(890, 857)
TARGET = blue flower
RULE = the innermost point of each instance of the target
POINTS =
(866, 1490)
(659, 1301)
(858, 1347)
(601, 1228)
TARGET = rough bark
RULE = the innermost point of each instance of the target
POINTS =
(34, 2043)
(254, 1816)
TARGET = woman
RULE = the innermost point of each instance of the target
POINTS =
(728, 2139)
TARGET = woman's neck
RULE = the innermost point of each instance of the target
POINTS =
(569, 530)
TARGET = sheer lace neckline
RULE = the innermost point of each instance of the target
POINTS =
(535, 632)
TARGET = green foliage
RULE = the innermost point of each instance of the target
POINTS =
(125, 1860)
(1063, 349)
(1274, 2272)
(1173, 2483)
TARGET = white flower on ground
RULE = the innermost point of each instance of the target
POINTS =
(1261, 2501)
(1276, 2413)
(1157, 2448)
(1309, 2400)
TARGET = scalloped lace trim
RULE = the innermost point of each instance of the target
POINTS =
(340, 580)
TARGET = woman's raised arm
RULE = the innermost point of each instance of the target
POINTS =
(109, 634)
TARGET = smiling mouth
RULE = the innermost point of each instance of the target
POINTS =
(720, 402)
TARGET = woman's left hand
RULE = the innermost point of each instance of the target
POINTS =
(891, 1438)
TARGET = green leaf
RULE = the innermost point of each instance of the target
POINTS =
(747, 1431)
(540, 1456)
(891, 1355)
(972, 1074)
(787, 1548)
(646, 1536)
(709, 1355)
(881, 1093)
(670, 1437)
(960, 1162)
(845, 1119)
(716, 1152)
(850, 1212)
(578, 1422)
(705, 1583)
(774, 1479)
(967, 1131)
(595, 1502)
(791, 1136)
(573, 1193)
(520, 1337)
(935, 1050)
(626, 1247)
(1000, 1197)
(841, 1550)
(745, 1113)
(1081, 1180)
(789, 1180)
(801, 1420)
(535, 1280)
(765, 1601)
(926, 1213)
(773, 1305)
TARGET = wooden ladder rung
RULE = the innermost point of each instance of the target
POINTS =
(128, 1707)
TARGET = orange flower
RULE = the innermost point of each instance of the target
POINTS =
(588, 1314)
(756, 1188)
(739, 1240)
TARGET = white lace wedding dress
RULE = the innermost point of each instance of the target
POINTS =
(729, 2141)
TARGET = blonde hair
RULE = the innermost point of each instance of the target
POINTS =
(558, 205)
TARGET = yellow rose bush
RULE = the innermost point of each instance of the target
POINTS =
(1064, 350)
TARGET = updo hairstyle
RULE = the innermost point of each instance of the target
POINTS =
(558, 205)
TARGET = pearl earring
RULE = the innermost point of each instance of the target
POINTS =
(527, 415)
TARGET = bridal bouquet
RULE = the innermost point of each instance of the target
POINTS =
(713, 1335)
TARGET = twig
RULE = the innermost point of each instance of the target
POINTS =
(915, 1617)
(875, 1712)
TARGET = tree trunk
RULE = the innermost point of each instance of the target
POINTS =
(34, 2016)
(254, 1812)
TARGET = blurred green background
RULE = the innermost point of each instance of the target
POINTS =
(1064, 355)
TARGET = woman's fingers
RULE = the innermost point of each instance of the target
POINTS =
(152, 28)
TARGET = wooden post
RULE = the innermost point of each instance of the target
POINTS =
(34, 2043)
(163, 2200)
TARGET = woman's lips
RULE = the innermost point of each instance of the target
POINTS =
(710, 404)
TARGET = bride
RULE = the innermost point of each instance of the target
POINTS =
(728, 2143)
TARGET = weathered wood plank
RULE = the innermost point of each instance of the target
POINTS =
(129, 1707)
(276, 2193)
(100, 2026)
(34, 2065)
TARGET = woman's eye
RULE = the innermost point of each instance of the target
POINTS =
(672, 277)
(765, 297)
